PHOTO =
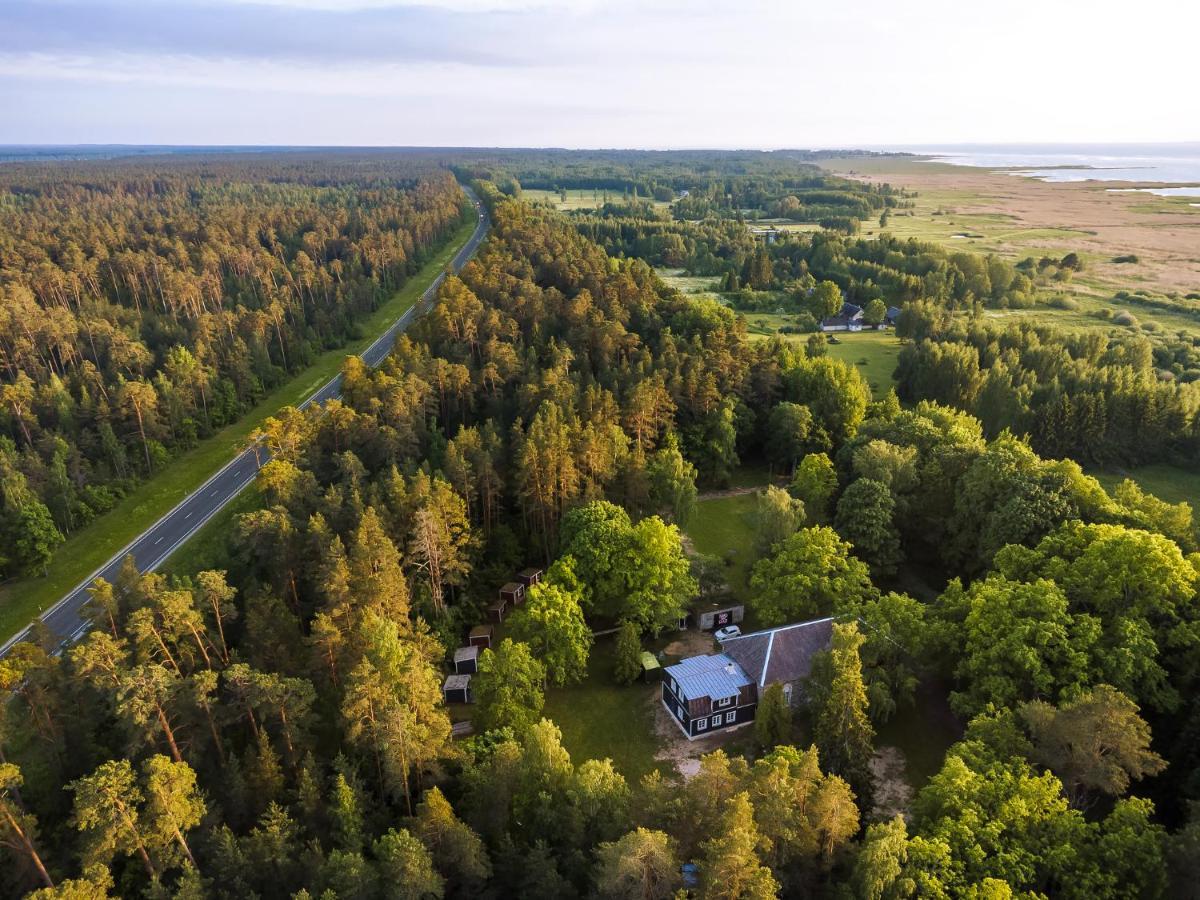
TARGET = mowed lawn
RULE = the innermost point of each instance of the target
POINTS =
(874, 354)
(724, 527)
(92, 546)
(601, 719)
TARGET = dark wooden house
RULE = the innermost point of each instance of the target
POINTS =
(497, 610)
(708, 693)
(513, 592)
(481, 637)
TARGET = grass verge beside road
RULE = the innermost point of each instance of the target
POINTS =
(89, 548)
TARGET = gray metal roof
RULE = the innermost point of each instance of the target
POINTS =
(715, 676)
(456, 682)
(463, 653)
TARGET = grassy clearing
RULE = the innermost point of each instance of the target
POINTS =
(1171, 483)
(90, 547)
(689, 284)
(922, 732)
(724, 527)
(581, 198)
(874, 353)
(600, 719)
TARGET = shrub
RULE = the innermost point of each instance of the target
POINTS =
(1126, 318)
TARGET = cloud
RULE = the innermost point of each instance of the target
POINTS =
(593, 72)
(259, 31)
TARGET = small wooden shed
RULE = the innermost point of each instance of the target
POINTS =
(457, 689)
(529, 577)
(497, 610)
(466, 660)
(481, 636)
(513, 592)
(713, 617)
(651, 668)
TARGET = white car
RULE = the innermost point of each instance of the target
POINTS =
(729, 631)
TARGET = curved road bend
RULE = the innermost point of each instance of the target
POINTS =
(162, 538)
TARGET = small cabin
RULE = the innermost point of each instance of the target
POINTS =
(513, 592)
(481, 636)
(497, 610)
(457, 689)
(529, 577)
(711, 618)
(466, 660)
(710, 693)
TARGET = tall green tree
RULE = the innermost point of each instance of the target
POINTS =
(642, 865)
(842, 726)
(814, 484)
(866, 518)
(551, 623)
(458, 853)
(731, 868)
(808, 574)
(508, 688)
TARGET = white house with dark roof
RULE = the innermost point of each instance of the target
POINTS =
(721, 690)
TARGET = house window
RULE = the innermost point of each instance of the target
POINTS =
(701, 724)
(716, 723)
(721, 704)
(679, 713)
(729, 717)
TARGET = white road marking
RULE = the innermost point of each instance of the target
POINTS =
(159, 541)
(188, 516)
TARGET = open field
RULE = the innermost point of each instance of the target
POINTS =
(90, 547)
(581, 198)
(1171, 483)
(1019, 216)
(873, 353)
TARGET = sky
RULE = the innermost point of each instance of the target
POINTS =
(597, 73)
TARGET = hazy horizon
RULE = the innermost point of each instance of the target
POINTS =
(584, 74)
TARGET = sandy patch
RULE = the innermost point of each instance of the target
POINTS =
(690, 643)
(677, 749)
(893, 793)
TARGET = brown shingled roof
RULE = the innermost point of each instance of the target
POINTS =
(780, 654)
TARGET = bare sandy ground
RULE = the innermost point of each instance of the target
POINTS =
(1163, 233)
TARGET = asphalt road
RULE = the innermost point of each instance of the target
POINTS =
(166, 535)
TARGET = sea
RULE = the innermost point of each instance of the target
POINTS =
(1176, 167)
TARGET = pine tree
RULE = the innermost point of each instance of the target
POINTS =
(627, 657)
(457, 851)
(773, 720)
(843, 730)
(730, 868)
